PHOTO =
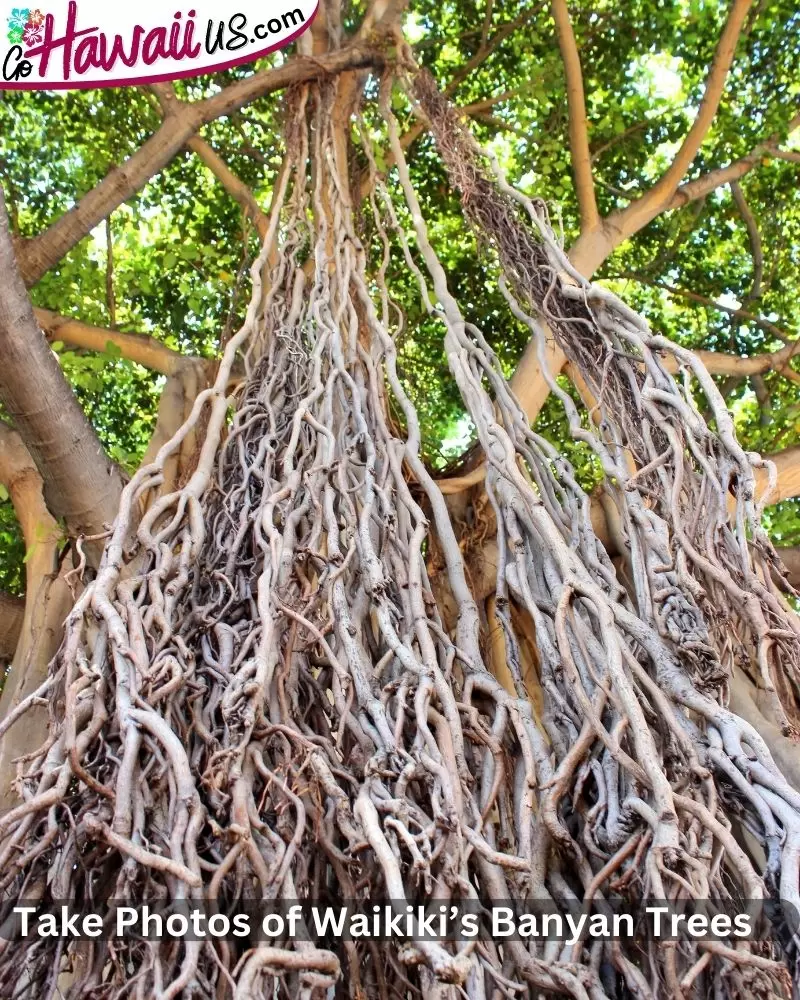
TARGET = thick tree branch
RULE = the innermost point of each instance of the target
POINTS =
(734, 171)
(787, 154)
(19, 475)
(651, 204)
(138, 347)
(235, 186)
(787, 464)
(38, 255)
(721, 363)
(706, 113)
(81, 484)
(578, 123)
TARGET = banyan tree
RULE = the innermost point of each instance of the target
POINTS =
(287, 672)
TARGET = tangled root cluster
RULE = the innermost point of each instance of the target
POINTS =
(260, 698)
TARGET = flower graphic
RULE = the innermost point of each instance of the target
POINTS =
(18, 18)
(32, 34)
(16, 24)
(35, 19)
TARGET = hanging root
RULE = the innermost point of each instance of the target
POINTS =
(684, 485)
(258, 698)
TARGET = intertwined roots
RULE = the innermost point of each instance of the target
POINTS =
(258, 698)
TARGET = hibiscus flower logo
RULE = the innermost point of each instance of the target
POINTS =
(17, 21)
(32, 35)
(25, 25)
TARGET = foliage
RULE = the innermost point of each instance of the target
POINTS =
(12, 547)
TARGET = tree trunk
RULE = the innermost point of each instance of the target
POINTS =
(47, 603)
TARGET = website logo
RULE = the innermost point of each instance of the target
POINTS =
(91, 43)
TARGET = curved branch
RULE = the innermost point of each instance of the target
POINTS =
(651, 204)
(790, 155)
(753, 236)
(787, 464)
(722, 363)
(578, 123)
(735, 170)
(235, 186)
(81, 484)
(144, 350)
(719, 363)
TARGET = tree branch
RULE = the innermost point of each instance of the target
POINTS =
(487, 48)
(753, 236)
(81, 484)
(787, 463)
(787, 154)
(722, 363)
(19, 475)
(138, 347)
(644, 209)
(709, 303)
(235, 186)
(734, 171)
(578, 123)
(38, 255)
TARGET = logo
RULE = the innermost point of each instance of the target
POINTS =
(91, 43)
(25, 25)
